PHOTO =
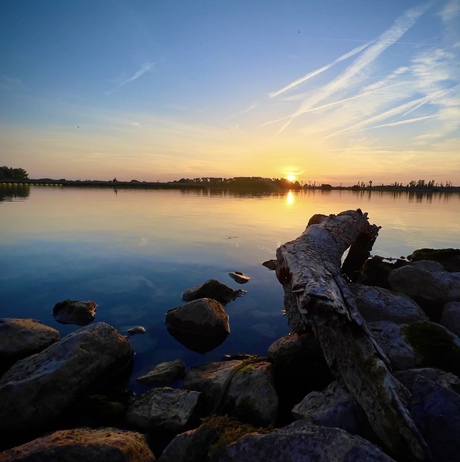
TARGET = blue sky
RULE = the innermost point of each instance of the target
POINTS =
(328, 91)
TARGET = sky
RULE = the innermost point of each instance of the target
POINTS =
(157, 90)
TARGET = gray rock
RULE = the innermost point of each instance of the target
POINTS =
(391, 339)
(334, 407)
(20, 338)
(212, 380)
(75, 312)
(212, 289)
(37, 389)
(200, 325)
(450, 317)
(448, 258)
(239, 277)
(251, 396)
(428, 284)
(446, 379)
(378, 304)
(163, 409)
(301, 441)
(82, 444)
(436, 412)
(163, 373)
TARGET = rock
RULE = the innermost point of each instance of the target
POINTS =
(299, 367)
(239, 277)
(212, 289)
(75, 312)
(448, 258)
(163, 373)
(212, 380)
(300, 441)
(270, 264)
(200, 325)
(164, 410)
(376, 270)
(37, 389)
(82, 444)
(436, 412)
(446, 379)
(136, 330)
(391, 339)
(334, 407)
(450, 317)
(251, 396)
(378, 304)
(20, 338)
(428, 284)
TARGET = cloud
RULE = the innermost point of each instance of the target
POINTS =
(450, 11)
(145, 68)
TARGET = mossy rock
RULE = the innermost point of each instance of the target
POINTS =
(449, 258)
(376, 270)
(437, 346)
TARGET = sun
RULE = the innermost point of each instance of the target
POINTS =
(291, 177)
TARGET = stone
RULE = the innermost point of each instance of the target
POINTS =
(239, 277)
(301, 441)
(212, 289)
(83, 444)
(334, 407)
(164, 410)
(376, 270)
(164, 373)
(75, 312)
(37, 389)
(20, 338)
(450, 317)
(379, 304)
(428, 284)
(201, 325)
(251, 396)
(448, 258)
(446, 379)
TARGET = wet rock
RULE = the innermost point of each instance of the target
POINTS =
(378, 304)
(239, 277)
(20, 338)
(75, 312)
(335, 407)
(37, 389)
(200, 325)
(428, 284)
(376, 270)
(82, 444)
(212, 289)
(164, 410)
(450, 317)
(163, 373)
(136, 330)
(301, 441)
(270, 264)
(448, 258)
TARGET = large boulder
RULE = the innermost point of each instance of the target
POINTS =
(201, 325)
(20, 338)
(450, 317)
(334, 407)
(163, 373)
(37, 389)
(212, 289)
(376, 270)
(75, 312)
(379, 304)
(428, 284)
(449, 258)
(164, 411)
(298, 441)
(83, 444)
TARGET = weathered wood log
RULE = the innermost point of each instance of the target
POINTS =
(316, 295)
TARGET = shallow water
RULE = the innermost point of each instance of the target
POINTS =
(134, 251)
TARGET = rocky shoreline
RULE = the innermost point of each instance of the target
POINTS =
(67, 399)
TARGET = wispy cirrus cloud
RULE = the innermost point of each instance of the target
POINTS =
(139, 73)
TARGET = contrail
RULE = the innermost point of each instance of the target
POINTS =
(145, 68)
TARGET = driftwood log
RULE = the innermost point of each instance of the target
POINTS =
(317, 298)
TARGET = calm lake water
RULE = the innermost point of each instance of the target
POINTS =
(134, 251)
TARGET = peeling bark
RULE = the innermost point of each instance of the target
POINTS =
(316, 295)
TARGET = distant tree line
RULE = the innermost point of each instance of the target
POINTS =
(17, 174)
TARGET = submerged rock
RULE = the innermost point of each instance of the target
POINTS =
(37, 389)
(200, 325)
(20, 338)
(239, 277)
(75, 312)
(136, 330)
(83, 444)
(212, 289)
